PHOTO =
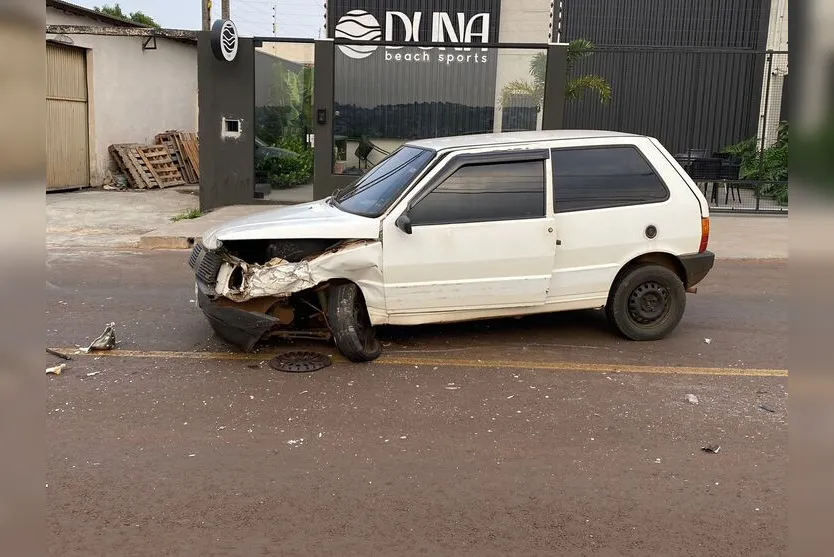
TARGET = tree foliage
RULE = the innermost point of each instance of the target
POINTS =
(575, 87)
(136, 17)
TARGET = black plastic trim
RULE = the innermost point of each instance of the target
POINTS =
(697, 266)
(238, 327)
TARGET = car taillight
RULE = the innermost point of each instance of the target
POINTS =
(704, 234)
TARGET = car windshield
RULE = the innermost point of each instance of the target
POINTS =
(371, 195)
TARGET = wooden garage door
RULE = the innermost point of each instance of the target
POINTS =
(67, 144)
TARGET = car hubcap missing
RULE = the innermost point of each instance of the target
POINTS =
(648, 303)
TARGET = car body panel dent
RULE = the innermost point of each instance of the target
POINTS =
(356, 261)
(318, 219)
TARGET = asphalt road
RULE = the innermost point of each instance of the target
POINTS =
(540, 436)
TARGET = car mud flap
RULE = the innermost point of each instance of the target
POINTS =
(238, 327)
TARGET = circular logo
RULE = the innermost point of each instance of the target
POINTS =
(224, 40)
(358, 25)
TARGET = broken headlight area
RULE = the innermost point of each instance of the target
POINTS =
(258, 268)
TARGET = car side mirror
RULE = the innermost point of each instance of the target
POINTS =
(404, 223)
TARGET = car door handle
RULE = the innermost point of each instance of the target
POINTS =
(558, 242)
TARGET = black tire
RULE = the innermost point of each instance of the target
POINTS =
(349, 322)
(646, 303)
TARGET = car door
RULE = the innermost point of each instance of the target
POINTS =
(476, 234)
(606, 197)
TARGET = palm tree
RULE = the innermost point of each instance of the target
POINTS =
(575, 87)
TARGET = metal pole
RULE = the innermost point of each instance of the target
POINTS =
(225, 10)
(206, 15)
(764, 126)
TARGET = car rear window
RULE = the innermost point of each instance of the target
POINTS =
(602, 177)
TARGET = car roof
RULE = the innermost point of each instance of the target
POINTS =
(506, 138)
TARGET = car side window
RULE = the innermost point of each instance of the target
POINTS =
(603, 177)
(485, 192)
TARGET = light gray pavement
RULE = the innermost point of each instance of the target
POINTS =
(109, 219)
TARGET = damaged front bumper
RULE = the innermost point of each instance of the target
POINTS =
(246, 302)
(235, 325)
(237, 322)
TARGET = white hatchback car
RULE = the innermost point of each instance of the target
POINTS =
(465, 228)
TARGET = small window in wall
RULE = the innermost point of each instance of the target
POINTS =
(485, 192)
(602, 177)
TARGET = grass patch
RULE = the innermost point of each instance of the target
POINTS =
(186, 215)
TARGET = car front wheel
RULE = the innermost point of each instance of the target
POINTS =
(646, 303)
(348, 318)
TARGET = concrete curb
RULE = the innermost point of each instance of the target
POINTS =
(150, 242)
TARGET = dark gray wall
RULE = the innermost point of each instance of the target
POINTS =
(689, 23)
(688, 72)
(226, 89)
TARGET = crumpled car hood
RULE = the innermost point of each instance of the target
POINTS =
(318, 219)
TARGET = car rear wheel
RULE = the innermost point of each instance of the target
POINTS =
(349, 322)
(646, 303)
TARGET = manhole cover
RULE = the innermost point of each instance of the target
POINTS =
(299, 362)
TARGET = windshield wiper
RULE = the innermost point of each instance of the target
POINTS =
(334, 195)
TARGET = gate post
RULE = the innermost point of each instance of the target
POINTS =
(323, 78)
(553, 109)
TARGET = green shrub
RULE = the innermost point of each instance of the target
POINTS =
(287, 172)
(770, 165)
(187, 215)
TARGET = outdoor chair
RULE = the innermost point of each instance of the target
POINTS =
(363, 151)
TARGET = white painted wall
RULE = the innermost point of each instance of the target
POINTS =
(522, 21)
(300, 53)
(777, 36)
(134, 94)
(777, 39)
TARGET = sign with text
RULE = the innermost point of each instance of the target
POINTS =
(403, 89)
(463, 22)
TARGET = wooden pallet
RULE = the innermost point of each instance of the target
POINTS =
(170, 140)
(191, 151)
(159, 162)
(135, 169)
(184, 151)
(146, 166)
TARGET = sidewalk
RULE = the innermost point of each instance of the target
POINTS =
(101, 219)
(143, 220)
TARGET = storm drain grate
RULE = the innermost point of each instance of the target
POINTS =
(299, 362)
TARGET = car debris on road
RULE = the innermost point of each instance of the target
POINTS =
(711, 449)
(58, 354)
(56, 370)
(105, 341)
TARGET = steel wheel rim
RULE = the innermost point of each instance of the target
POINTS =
(649, 303)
